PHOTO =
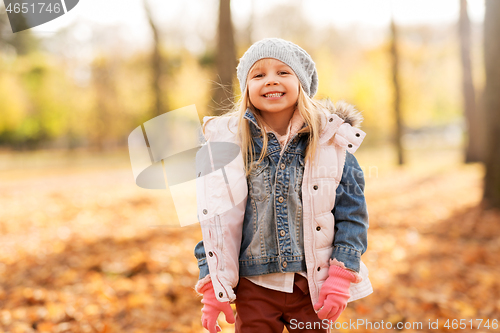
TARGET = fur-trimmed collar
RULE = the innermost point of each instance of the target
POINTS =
(345, 111)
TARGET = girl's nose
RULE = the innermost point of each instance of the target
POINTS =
(272, 82)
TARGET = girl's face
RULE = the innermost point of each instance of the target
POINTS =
(273, 86)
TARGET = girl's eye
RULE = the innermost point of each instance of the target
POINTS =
(283, 73)
(258, 75)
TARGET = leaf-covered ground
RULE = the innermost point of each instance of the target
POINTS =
(82, 249)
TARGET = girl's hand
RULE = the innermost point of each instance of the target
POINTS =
(212, 308)
(334, 293)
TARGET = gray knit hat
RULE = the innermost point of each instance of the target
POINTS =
(289, 53)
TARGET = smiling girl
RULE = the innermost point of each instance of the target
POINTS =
(290, 253)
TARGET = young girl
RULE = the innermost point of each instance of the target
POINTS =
(284, 221)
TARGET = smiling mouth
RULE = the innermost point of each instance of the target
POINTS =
(275, 94)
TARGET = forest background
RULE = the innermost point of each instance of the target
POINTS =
(84, 249)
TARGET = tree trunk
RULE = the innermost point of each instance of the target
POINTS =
(249, 28)
(105, 93)
(397, 93)
(156, 67)
(226, 59)
(491, 197)
(473, 151)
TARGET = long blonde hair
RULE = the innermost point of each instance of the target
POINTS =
(309, 109)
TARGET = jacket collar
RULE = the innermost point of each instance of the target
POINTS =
(334, 117)
(254, 128)
(253, 122)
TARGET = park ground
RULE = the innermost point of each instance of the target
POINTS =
(83, 249)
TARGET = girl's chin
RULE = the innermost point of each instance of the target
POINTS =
(277, 110)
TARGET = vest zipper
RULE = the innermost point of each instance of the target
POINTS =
(219, 240)
(311, 227)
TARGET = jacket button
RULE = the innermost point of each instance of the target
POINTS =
(282, 233)
(283, 166)
(284, 264)
(319, 268)
(315, 187)
(349, 145)
(357, 134)
(205, 212)
(221, 294)
(318, 228)
(211, 254)
(280, 199)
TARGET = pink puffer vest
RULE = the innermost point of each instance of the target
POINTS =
(222, 196)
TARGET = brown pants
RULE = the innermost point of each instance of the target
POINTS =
(262, 310)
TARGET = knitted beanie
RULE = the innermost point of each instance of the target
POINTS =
(289, 53)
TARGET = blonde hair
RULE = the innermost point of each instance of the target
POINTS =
(309, 109)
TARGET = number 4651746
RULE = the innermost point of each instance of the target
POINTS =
(40, 7)
(463, 324)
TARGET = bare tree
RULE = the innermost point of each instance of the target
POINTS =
(104, 83)
(250, 25)
(491, 196)
(24, 42)
(226, 58)
(474, 149)
(156, 63)
(397, 92)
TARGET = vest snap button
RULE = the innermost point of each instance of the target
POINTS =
(357, 134)
(319, 268)
(349, 145)
(221, 294)
(211, 254)
(330, 120)
(205, 212)
(315, 187)
(318, 228)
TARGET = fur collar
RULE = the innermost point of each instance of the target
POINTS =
(345, 111)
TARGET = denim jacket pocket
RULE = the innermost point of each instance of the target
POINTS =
(259, 181)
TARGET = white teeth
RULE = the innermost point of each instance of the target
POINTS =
(274, 95)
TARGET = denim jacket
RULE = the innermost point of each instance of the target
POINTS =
(273, 231)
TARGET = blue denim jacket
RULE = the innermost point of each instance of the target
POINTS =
(272, 226)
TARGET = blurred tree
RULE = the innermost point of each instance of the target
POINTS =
(250, 24)
(104, 83)
(491, 194)
(225, 59)
(156, 64)
(397, 92)
(474, 150)
(291, 24)
(23, 42)
(3, 25)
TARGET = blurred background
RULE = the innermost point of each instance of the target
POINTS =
(83, 249)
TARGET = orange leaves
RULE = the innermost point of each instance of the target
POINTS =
(91, 262)
(96, 266)
(432, 251)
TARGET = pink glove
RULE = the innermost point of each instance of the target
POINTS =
(212, 308)
(334, 293)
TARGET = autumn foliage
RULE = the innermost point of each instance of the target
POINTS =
(84, 250)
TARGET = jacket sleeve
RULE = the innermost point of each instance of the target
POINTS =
(351, 216)
(199, 253)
